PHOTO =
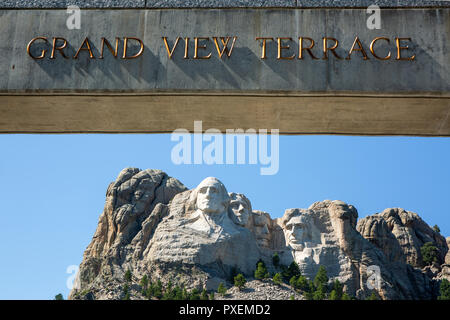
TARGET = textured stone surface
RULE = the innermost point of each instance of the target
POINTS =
(153, 226)
(200, 231)
(261, 290)
(244, 71)
(447, 257)
(401, 234)
(220, 3)
(62, 4)
(133, 206)
(367, 3)
(216, 3)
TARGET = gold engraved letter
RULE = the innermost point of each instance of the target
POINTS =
(357, 49)
(197, 46)
(325, 48)
(169, 51)
(88, 48)
(114, 51)
(43, 52)
(399, 48)
(125, 48)
(280, 47)
(263, 54)
(186, 48)
(300, 47)
(373, 51)
(60, 48)
(225, 46)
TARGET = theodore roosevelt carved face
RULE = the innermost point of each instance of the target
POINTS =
(262, 228)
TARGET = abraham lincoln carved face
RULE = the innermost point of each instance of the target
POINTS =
(298, 228)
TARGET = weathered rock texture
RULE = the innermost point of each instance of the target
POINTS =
(152, 225)
(261, 290)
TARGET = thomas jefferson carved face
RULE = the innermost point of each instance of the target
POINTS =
(241, 208)
(212, 197)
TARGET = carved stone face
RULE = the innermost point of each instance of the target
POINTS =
(298, 232)
(138, 194)
(346, 213)
(241, 209)
(212, 197)
(262, 229)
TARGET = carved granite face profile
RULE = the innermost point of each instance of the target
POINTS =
(241, 210)
(297, 230)
(262, 226)
(211, 202)
(212, 197)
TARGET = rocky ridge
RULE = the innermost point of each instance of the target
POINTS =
(153, 225)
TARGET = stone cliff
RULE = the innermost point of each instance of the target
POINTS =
(153, 225)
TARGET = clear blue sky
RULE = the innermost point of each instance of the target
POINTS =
(53, 189)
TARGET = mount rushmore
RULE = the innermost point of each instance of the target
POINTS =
(153, 225)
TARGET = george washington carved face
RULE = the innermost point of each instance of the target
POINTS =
(212, 197)
(208, 208)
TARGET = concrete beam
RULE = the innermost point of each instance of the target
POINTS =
(156, 94)
(163, 113)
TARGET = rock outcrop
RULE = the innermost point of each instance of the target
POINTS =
(401, 234)
(261, 290)
(152, 225)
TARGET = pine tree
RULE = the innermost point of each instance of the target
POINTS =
(144, 285)
(436, 228)
(239, 281)
(150, 290)
(319, 294)
(211, 295)
(276, 260)
(128, 275)
(222, 290)
(338, 289)
(184, 293)
(293, 282)
(204, 295)
(59, 296)
(302, 283)
(261, 271)
(345, 297)
(177, 293)
(194, 294)
(158, 290)
(126, 292)
(277, 278)
(444, 290)
(429, 253)
(309, 295)
(169, 285)
(294, 269)
(321, 277)
(373, 296)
